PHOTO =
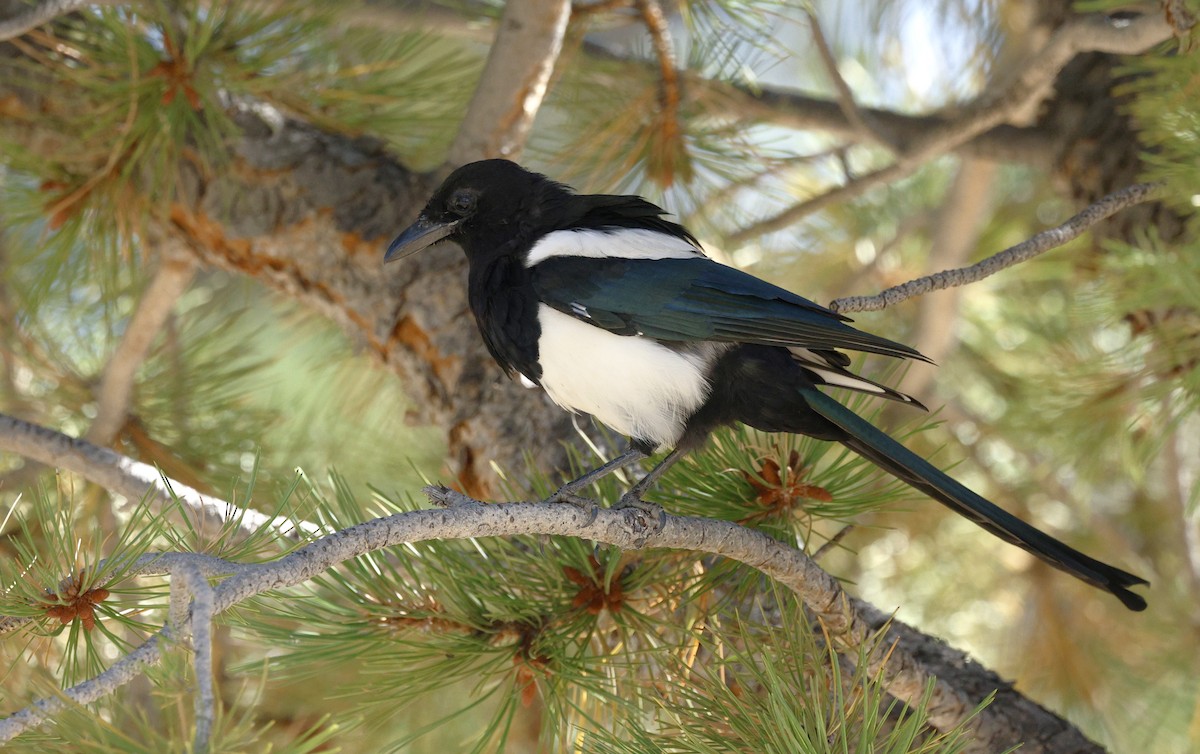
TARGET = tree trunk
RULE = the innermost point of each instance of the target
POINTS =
(309, 213)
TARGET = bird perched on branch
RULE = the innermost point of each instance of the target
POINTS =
(616, 312)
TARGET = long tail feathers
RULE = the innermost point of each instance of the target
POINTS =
(877, 447)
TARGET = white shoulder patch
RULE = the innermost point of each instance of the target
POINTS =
(623, 243)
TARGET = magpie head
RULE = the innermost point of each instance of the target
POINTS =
(482, 206)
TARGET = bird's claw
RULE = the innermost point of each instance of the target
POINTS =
(586, 504)
(654, 516)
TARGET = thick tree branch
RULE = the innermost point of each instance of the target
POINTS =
(1033, 84)
(1042, 242)
(788, 109)
(137, 481)
(803, 112)
(1041, 730)
(514, 81)
(783, 108)
(308, 213)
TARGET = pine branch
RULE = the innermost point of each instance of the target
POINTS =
(113, 397)
(150, 564)
(463, 517)
(1032, 85)
(791, 110)
(190, 572)
(137, 481)
(514, 81)
(1042, 242)
(1041, 730)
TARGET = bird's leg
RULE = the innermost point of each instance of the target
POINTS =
(568, 492)
(633, 498)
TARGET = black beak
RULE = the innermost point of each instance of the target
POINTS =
(417, 236)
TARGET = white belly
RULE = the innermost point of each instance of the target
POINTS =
(634, 385)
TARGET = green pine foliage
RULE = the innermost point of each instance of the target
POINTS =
(580, 633)
(497, 625)
(743, 698)
(1072, 400)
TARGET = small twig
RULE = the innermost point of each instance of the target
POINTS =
(723, 195)
(845, 96)
(1042, 242)
(845, 192)
(833, 542)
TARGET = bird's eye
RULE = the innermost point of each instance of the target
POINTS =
(461, 202)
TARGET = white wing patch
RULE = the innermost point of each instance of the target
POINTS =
(838, 376)
(636, 386)
(621, 243)
(847, 381)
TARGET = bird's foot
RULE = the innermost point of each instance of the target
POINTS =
(589, 506)
(653, 516)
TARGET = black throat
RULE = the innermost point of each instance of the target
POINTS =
(500, 292)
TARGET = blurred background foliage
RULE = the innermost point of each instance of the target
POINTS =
(1067, 393)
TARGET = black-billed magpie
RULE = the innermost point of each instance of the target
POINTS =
(615, 311)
